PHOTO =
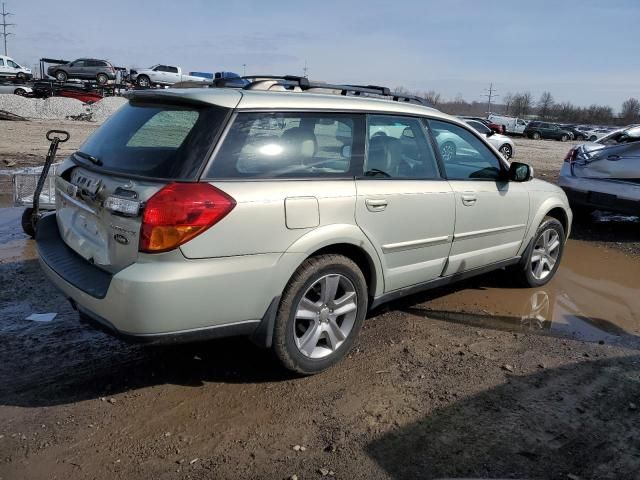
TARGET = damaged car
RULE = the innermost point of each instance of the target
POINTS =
(604, 175)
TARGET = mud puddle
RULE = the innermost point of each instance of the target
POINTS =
(594, 296)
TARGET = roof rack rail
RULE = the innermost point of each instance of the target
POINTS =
(265, 82)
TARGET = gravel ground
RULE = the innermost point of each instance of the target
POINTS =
(59, 108)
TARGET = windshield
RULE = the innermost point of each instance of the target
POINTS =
(155, 140)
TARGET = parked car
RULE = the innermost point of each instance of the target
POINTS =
(161, 75)
(512, 125)
(597, 133)
(493, 126)
(503, 143)
(15, 88)
(84, 68)
(9, 68)
(538, 130)
(604, 175)
(576, 133)
(313, 209)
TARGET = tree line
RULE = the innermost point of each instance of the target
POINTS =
(522, 104)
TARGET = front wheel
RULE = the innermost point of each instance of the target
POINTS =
(593, 138)
(536, 136)
(542, 260)
(20, 91)
(102, 78)
(61, 76)
(564, 138)
(21, 76)
(320, 314)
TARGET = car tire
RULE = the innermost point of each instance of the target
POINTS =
(581, 137)
(542, 259)
(21, 76)
(564, 138)
(20, 91)
(506, 151)
(102, 78)
(309, 336)
(593, 138)
(448, 151)
(27, 223)
(536, 136)
(61, 76)
(143, 81)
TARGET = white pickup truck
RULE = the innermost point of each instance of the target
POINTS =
(160, 75)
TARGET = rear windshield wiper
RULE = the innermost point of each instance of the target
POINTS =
(91, 158)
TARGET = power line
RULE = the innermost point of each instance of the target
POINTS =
(4, 24)
(490, 94)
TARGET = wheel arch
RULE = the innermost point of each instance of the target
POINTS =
(551, 207)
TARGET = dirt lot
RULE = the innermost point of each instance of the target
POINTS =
(481, 380)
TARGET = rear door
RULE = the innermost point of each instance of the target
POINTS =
(404, 205)
(491, 213)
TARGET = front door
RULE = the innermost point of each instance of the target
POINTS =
(404, 205)
(491, 213)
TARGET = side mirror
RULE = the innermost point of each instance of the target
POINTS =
(520, 172)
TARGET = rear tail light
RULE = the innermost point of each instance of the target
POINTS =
(571, 155)
(179, 212)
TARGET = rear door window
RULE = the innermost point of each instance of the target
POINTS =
(167, 141)
(398, 147)
(294, 145)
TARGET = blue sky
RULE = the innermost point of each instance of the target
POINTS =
(582, 51)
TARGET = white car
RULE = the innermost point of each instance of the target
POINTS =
(161, 75)
(15, 88)
(502, 143)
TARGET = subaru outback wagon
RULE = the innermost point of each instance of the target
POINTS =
(284, 216)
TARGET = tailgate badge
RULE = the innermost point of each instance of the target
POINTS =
(121, 239)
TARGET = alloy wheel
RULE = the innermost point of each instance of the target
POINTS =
(505, 150)
(325, 315)
(545, 254)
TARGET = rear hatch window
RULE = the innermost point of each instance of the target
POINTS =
(163, 141)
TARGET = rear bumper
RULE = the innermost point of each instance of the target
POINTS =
(164, 296)
(616, 196)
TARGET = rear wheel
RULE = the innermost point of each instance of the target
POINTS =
(506, 151)
(593, 138)
(536, 136)
(448, 151)
(143, 81)
(102, 78)
(320, 314)
(27, 222)
(541, 261)
(21, 76)
(564, 138)
(61, 76)
(20, 91)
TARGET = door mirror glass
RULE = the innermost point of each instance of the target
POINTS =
(520, 172)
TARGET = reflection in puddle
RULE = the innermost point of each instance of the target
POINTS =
(594, 296)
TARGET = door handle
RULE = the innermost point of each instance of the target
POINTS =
(469, 200)
(375, 204)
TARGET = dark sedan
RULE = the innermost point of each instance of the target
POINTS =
(538, 130)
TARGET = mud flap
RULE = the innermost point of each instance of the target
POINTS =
(262, 336)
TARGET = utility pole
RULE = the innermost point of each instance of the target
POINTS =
(4, 24)
(244, 69)
(491, 93)
(305, 70)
